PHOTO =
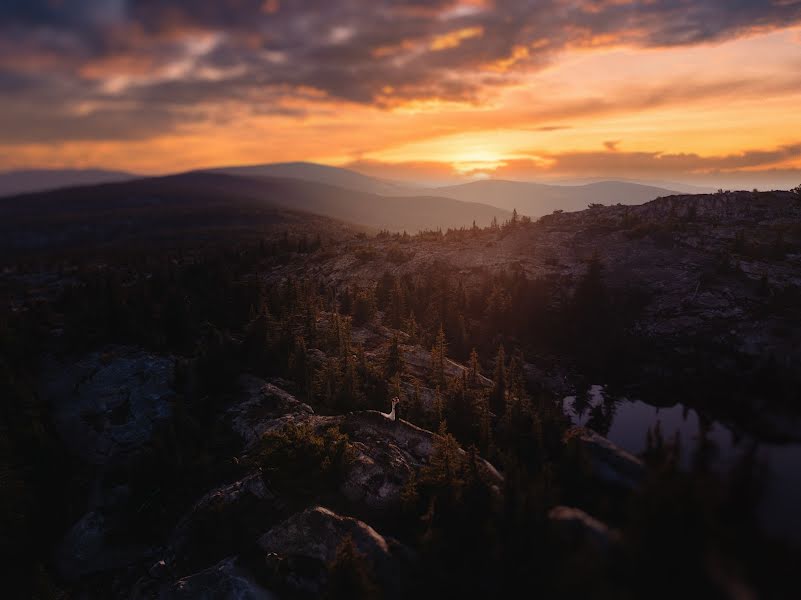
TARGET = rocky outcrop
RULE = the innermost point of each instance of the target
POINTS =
(386, 454)
(317, 533)
(223, 521)
(610, 463)
(264, 403)
(417, 361)
(107, 405)
(227, 579)
(313, 537)
(575, 527)
(92, 546)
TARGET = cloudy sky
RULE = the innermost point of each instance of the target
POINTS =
(698, 91)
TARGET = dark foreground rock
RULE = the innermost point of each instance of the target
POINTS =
(302, 549)
(610, 463)
(227, 579)
(107, 405)
(576, 528)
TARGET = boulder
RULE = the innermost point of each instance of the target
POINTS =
(107, 405)
(92, 546)
(223, 521)
(386, 454)
(317, 533)
(575, 527)
(300, 549)
(609, 462)
(264, 403)
(226, 579)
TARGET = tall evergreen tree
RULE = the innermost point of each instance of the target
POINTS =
(394, 364)
(438, 352)
(498, 398)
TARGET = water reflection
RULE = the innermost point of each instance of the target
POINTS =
(626, 422)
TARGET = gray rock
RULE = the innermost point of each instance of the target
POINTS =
(158, 570)
(223, 521)
(89, 548)
(264, 403)
(576, 527)
(610, 463)
(300, 549)
(317, 533)
(387, 453)
(107, 406)
(224, 580)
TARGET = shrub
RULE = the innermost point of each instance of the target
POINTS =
(349, 574)
(302, 459)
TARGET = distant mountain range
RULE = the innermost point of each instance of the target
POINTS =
(210, 204)
(532, 199)
(333, 192)
(39, 180)
(678, 186)
(336, 176)
(537, 199)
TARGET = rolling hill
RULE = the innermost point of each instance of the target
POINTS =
(209, 204)
(533, 199)
(537, 199)
(38, 180)
(336, 176)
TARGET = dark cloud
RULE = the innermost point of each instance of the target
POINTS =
(179, 53)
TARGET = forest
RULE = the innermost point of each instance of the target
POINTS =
(228, 310)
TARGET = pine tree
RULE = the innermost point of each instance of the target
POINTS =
(364, 307)
(498, 399)
(438, 358)
(411, 327)
(397, 305)
(300, 365)
(416, 412)
(439, 408)
(394, 359)
(349, 575)
(445, 465)
(474, 368)
(484, 425)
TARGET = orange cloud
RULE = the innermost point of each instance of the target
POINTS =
(453, 39)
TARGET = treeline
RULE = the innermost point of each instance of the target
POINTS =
(217, 314)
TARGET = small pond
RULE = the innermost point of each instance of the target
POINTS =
(626, 423)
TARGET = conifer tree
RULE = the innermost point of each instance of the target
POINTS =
(348, 574)
(498, 399)
(411, 327)
(438, 359)
(474, 368)
(397, 305)
(394, 359)
(416, 412)
(439, 408)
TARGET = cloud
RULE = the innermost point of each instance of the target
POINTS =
(756, 165)
(156, 61)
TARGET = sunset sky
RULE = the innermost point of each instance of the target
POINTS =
(706, 92)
